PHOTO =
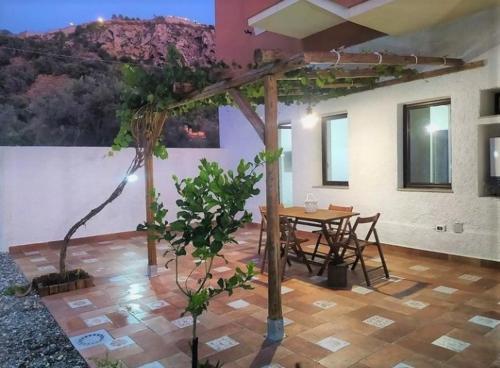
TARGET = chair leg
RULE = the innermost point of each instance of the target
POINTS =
(300, 253)
(260, 236)
(325, 263)
(384, 265)
(317, 246)
(359, 255)
(263, 263)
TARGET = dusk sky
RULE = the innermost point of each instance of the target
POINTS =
(43, 15)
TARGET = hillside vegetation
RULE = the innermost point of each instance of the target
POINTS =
(63, 88)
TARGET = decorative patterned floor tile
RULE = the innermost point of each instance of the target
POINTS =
(119, 278)
(395, 279)
(222, 343)
(376, 259)
(324, 304)
(91, 339)
(119, 343)
(90, 260)
(378, 321)
(332, 343)
(242, 242)
(79, 253)
(38, 259)
(222, 269)
(361, 290)
(272, 365)
(286, 290)
(419, 268)
(152, 365)
(415, 304)
(485, 321)
(47, 269)
(445, 289)
(238, 304)
(157, 304)
(116, 247)
(450, 343)
(79, 303)
(402, 365)
(129, 254)
(183, 322)
(96, 321)
(468, 277)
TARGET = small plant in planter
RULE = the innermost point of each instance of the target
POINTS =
(54, 283)
(211, 210)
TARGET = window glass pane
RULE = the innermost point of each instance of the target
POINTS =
(336, 149)
(429, 145)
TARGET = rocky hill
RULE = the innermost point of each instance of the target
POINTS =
(142, 40)
(62, 87)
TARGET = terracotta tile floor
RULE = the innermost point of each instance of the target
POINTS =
(400, 323)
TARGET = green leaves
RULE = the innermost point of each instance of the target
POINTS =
(211, 209)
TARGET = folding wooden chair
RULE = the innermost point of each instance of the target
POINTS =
(358, 246)
(332, 227)
(288, 243)
(263, 224)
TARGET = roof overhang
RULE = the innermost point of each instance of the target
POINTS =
(303, 18)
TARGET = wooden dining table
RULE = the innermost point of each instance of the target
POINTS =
(322, 218)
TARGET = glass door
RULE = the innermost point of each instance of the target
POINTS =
(286, 179)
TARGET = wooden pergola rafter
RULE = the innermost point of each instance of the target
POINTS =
(273, 66)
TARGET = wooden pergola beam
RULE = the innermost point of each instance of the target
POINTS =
(432, 73)
(248, 112)
(338, 73)
(349, 58)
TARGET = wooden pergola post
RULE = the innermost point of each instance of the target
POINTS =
(149, 187)
(275, 329)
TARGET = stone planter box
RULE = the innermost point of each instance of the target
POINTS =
(53, 283)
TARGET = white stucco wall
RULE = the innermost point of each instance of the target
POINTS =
(408, 218)
(44, 190)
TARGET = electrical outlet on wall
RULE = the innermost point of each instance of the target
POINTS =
(458, 227)
(440, 228)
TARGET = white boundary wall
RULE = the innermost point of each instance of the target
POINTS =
(44, 190)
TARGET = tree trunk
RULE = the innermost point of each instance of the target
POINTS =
(134, 166)
(149, 182)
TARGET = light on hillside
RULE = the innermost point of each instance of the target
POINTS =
(100, 20)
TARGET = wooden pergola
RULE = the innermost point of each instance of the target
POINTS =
(273, 66)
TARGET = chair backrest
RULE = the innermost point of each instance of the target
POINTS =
(287, 232)
(334, 207)
(367, 220)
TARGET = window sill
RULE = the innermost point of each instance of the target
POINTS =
(331, 187)
(429, 190)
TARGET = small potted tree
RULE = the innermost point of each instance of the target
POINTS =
(211, 209)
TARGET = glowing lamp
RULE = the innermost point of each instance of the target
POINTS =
(132, 178)
(310, 119)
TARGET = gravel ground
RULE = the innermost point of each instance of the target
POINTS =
(29, 336)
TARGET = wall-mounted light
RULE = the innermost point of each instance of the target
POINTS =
(310, 119)
(132, 178)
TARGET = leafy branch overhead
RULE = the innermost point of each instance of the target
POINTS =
(154, 87)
